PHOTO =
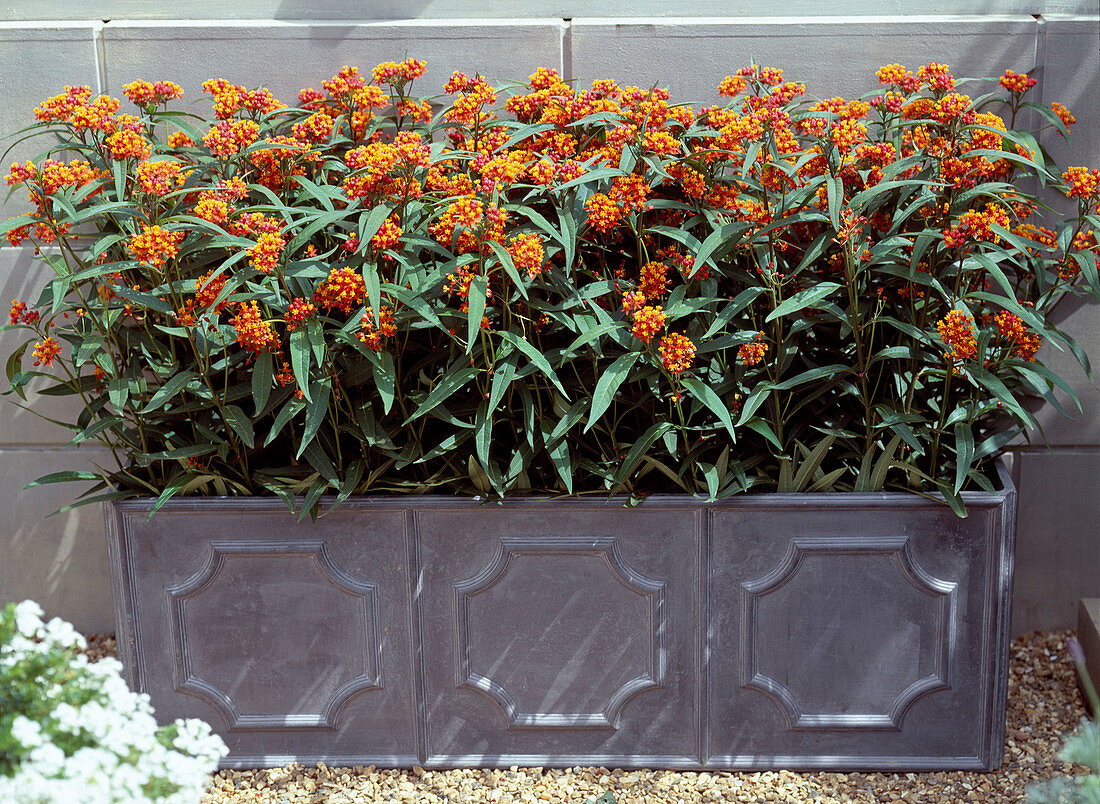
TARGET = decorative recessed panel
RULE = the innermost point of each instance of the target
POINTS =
(275, 635)
(559, 632)
(847, 633)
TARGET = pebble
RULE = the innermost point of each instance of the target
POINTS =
(1044, 704)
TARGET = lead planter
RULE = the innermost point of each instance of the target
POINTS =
(858, 631)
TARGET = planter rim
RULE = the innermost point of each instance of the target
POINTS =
(773, 500)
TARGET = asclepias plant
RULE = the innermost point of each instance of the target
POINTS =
(544, 289)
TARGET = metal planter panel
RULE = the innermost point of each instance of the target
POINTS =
(560, 634)
(800, 631)
(291, 639)
(856, 637)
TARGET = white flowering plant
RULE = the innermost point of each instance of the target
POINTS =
(71, 730)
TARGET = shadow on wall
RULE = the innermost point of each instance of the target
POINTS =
(61, 561)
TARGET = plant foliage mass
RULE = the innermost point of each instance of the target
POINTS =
(549, 289)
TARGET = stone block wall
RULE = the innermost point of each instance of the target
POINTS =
(288, 44)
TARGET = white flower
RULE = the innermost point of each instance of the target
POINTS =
(61, 634)
(117, 748)
(49, 758)
(26, 732)
(28, 618)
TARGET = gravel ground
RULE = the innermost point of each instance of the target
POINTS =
(1044, 704)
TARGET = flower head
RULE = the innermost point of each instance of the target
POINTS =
(647, 322)
(153, 246)
(957, 332)
(253, 333)
(677, 352)
(751, 353)
(342, 290)
(45, 352)
(1016, 83)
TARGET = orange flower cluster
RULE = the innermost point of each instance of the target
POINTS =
(1017, 83)
(128, 144)
(401, 73)
(226, 138)
(45, 352)
(751, 353)
(153, 246)
(178, 139)
(1082, 182)
(373, 335)
(264, 256)
(957, 332)
(388, 234)
(467, 223)
(677, 352)
(648, 321)
(937, 77)
(75, 108)
(20, 315)
(653, 281)
(207, 289)
(342, 290)
(298, 312)
(1063, 114)
(527, 253)
(159, 178)
(1025, 343)
(976, 225)
(282, 158)
(253, 333)
(143, 93)
(231, 98)
(896, 75)
(474, 94)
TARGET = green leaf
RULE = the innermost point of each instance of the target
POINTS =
(634, 456)
(964, 453)
(812, 462)
(705, 394)
(173, 487)
(118, 390)
(834, 188)
(608, 384)
(241, 424)
(535, 356)
(369, 224)
(568, 237)
(173, 386)
(802, 299)
(503, 372)
(62, 477)
(316, 411)
(992, 384)
(589, 177)
(483, 431)
(475, 309)
(588, 336)
(509, 266)
(286, 413)
(262, 378)
(301, 355)
(321, 462)
(443, 389)
(882, 466)
(385, 379)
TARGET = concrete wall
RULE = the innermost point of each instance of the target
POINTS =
(287, 44)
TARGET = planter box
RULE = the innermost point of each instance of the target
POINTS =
(843, 631)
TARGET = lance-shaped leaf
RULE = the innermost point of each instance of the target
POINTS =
(803, 299)
(705, 394)
(446, 386)
(608, 384)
